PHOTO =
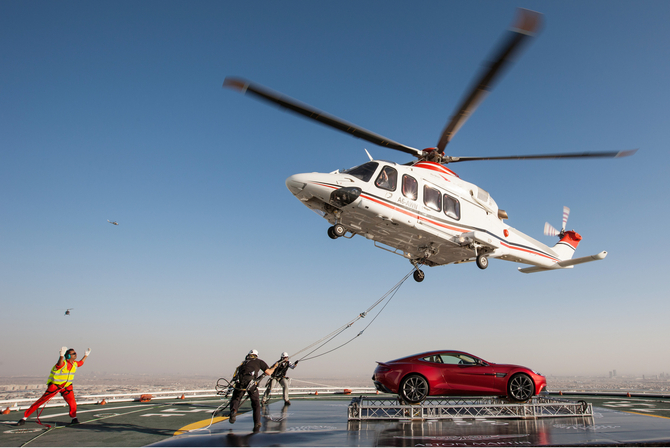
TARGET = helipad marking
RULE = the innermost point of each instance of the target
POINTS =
(144, 406)
(198, 425)
(23, 430)
(646, 415)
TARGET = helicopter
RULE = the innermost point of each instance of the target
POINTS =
(423, 210)
(113, 222)
(67, 312)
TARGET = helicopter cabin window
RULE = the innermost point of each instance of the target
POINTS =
(363, 172)
(410, 187)
(452, 208)
(432, 198)
(387, 179)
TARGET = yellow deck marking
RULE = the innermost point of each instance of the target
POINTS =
(648, 415)
(198, 425)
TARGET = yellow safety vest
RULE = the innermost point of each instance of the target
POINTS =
(62, 376)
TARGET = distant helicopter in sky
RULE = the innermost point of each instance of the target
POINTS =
(113, 222)
(423, 210)
(67, 312)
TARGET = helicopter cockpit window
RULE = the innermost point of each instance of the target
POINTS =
(387, 179)
(363, 172)
(432, 198)
(410, 187)
(452, 208)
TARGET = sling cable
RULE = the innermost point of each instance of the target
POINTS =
(225, 387)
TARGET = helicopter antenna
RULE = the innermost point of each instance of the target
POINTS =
(369, 156)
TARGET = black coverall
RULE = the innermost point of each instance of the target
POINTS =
(247, 372)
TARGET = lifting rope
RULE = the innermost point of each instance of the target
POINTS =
(388, 296)
(230, 386)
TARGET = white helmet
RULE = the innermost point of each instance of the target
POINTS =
(253, 352)
(284, 355)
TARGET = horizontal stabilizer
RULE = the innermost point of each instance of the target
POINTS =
(574, 261)
(564, 264)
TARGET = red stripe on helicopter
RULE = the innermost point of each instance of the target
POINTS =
(401, 210)
(529, 251)
(435, 167)
(413, 215)
(435, 223)
(392, 207)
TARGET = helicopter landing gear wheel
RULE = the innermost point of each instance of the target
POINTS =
(339, 230)
(482, 261)
(331, 233)
(419, 275)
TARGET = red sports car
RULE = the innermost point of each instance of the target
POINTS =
(450, 372)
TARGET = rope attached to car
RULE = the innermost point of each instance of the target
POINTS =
(326, 339)
(224, 387)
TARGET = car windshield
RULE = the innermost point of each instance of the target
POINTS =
(363, 172)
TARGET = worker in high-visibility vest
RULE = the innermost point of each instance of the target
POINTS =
(60, 381)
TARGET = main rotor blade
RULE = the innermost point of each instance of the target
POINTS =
(263, 93)
(574, 155)
(527, 24)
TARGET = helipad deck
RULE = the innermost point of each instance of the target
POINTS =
(323, 421)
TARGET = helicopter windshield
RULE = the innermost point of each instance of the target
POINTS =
(363, 172)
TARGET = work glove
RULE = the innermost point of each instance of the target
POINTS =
(296, 363)
(62, 351)
(87, 352)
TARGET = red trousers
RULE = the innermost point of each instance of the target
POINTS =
(67, 394)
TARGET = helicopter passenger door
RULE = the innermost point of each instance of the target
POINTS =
(408, 199)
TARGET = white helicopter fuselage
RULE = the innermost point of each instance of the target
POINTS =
(423, 210)
(426, 213)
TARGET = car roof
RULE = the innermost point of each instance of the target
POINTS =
(434, 352)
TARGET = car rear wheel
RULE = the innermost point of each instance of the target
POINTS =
(520, 387)
(414, 389)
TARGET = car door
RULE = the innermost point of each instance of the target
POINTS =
(466, 375)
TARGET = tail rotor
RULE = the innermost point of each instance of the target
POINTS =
(550, 230)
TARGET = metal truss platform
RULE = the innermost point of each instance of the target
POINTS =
(389, 408)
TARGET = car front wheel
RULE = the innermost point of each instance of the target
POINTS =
(414, 389)
(520, 387)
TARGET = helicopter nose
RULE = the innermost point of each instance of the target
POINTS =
(344, 196)
(296, 183)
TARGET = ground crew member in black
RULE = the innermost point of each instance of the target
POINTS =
(279, 376)
(246, 374)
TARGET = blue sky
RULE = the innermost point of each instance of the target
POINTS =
(115, 111)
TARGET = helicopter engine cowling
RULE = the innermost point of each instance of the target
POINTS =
(344, 196)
